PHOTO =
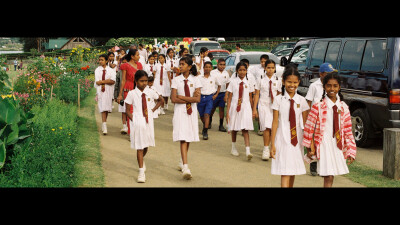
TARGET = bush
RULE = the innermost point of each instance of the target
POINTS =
(49, 160)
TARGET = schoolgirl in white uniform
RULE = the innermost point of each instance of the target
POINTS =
(113, 64)
(289, 114)
(162, 82)
(150, 66)
(104, 81)
(268, 86)
(141, 124)
(150, 85)
(185, 95)
(239, 107)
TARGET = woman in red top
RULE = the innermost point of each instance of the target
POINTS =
(128, 75)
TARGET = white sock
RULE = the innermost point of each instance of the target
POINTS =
(234, 145)
(266, 147)
(247, 149)
(185, 166)
(141, 170)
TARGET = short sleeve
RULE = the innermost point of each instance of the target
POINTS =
(304, 105)
(257, 86)
(174, 84)
(277, 102)
(153, 94)
(123, 66)
(230, 88)
(252, 83)
(113, 75)
(310, 93)
(129, 98)
(197, 83)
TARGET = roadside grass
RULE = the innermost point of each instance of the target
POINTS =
(369, 177)
(88, 168)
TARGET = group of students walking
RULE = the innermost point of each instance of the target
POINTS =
(319, 122)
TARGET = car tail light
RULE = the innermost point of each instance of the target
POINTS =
(394, 96)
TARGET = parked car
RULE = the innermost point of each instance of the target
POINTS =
(370, 79)
(218, 53)
(196, 45)
(283, 52)
(254, 59)
(283, 45)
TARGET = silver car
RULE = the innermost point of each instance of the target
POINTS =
(254, 59)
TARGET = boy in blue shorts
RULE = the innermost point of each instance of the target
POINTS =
(223, 78)
(209, 92)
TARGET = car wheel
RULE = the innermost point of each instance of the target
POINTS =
(361, 127)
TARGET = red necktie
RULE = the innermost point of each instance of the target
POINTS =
(336, 131)
(161, 75)
(151, 68)
(103, 86)
(144, 107)
(270, 91)
(187, 94)
(172, 66)
(292, 119)
(240, 97)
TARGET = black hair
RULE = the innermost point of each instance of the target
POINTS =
(241, 63)
(131, 53)
(169, 50)
(110, 53)
(269, 61)
(154, 53)
(188, 60)
(150, 57)
(105, 56)
(124, 57)
(245, 61)
(141, 45)
(329, 76)
(221, 60)
(264, 56)
(208, 62)
(238, 45)
(290, 69)
(139, 74)
(210, 55)
(151, 79)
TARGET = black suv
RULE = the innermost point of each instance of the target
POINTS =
(369, 70)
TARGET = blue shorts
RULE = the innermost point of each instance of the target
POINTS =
(219, 101)
(205, 105)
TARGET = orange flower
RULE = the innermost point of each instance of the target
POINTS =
(83, 68)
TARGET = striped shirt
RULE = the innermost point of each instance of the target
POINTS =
(317, 118)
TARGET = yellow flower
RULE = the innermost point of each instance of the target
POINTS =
(3, 96)
(60, 128)
(69, 134)
(53, 129)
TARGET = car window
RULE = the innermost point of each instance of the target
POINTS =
(228, 59)
(253, 58)
(318, 54)
(299, 56)
(332, 53)
(374, 56)
(352, 55)
(232, 62)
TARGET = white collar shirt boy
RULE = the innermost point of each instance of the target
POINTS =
(223, 78)
(315, 91)
(209, 84)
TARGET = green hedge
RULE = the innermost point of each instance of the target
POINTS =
(49, 160)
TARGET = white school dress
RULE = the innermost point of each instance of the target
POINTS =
(265, 112)
(105, 98)
(115, 69)
(331, 162)
(165, 88)
(142, 133)
(149, 68)
(185, 126)
(153, 103)
(242, 119)
(288, 158)
(172, 65)
(222, 77)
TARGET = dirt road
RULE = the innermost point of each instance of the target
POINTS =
(210, 161)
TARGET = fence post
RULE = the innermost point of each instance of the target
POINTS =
(391, 153)
(51, 93)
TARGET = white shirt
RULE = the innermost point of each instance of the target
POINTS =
(223, 78)
(233, 87)
(165, 70)
(178, 83)
(110, 74)
(256, 71)
(147, 67)
(209, 84)
(315, 91)
(143, 53)
(142, 60)
(263, 86)
(250, 76)
(282, 104)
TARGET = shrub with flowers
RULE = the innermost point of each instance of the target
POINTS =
(81, 54)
